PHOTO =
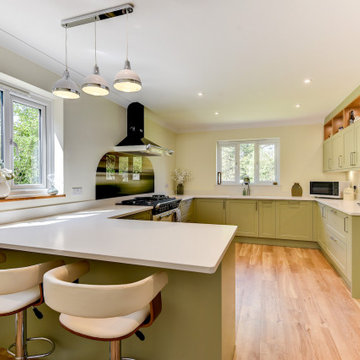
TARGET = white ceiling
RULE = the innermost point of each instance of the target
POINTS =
(248, 57)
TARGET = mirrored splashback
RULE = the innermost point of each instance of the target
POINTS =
(121, 174)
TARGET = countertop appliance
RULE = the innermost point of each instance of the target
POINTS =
(328, 189)
(164, 207)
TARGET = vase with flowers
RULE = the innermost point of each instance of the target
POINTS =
(5, 175)
(180, 176)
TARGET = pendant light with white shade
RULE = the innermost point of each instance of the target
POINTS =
(94, 84)
(65, 87)
(127, 80)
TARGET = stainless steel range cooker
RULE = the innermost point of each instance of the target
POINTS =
(164, 207)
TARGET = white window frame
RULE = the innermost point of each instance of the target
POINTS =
(236, 144)
(46, 137)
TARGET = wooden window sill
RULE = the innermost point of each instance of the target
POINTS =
(34, 197)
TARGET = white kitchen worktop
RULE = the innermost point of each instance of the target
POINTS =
(242, 197)
(348, 207)
(95, 234)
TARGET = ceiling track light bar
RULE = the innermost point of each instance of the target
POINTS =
(103, 14)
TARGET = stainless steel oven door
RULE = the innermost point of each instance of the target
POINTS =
(166, 216)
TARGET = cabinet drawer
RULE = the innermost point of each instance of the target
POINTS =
(337, 221)
(336, 248)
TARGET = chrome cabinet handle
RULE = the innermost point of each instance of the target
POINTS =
(333, 239)
(219, 178)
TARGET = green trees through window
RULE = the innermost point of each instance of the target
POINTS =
(27, 145)
(258, 159)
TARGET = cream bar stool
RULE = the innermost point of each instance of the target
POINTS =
(103, 312)
(21, 288)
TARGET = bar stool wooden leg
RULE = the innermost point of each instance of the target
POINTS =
(115, 350)
(21, 336)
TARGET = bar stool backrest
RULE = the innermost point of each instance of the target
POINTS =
(24, 278)
(97, 301)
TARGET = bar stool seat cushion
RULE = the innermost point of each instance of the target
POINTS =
(10, 303)
(105, 328)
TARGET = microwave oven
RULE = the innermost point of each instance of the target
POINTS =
(328, 189)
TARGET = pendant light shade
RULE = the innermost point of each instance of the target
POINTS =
(66, 88)
(94, 84)
(127, 80)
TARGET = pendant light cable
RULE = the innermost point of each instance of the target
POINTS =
(66, 55)
(95, 40)
(127, 35)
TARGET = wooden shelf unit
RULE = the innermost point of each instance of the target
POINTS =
(342, 119)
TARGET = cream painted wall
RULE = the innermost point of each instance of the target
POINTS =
(300, 158)
(163, 165)
(91, 127)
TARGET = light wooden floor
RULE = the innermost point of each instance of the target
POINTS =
(291, 305)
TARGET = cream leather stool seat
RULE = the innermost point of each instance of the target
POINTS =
(103, 312)
(109, 328)
(21, 288)
(11, 303)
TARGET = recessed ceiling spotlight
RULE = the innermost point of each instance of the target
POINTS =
(200, 94)
(297, 106)
(307, 81)
(216, 113)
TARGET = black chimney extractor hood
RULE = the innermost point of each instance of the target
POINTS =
(135, 141)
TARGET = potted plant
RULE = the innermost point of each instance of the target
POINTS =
(5, 175)
(180, 176)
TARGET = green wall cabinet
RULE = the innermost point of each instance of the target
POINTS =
(327, 155)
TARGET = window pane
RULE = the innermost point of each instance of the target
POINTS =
(26, 135)
(228, 162)
(1, 127)
(247, 161)
(267, 162)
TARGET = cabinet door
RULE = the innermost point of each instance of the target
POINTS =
(321, 217)
(210, 211)
(294, 220)
(327, 155)
(244, 214)
(267, 219)
(357, 145)
(338, 151)
(349, 147)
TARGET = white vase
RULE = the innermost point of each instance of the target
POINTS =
(4, 189)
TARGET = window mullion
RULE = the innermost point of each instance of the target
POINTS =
(7, 130)
(256, 172)
(237, 163)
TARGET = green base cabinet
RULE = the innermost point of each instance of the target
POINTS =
(294, 220)
(210, 211)
(244, 214)
(267, 219)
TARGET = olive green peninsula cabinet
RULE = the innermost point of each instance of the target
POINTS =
(270, 219)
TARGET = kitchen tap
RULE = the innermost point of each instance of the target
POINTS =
(246, 191)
